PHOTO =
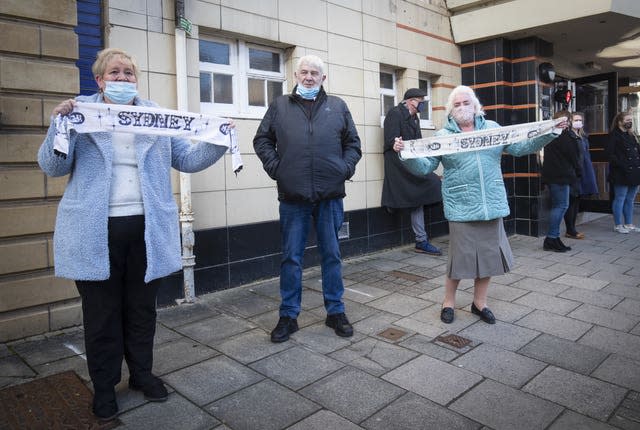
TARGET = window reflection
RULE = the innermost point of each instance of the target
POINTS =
(256, 92)
(214, 52)
(274, 89)
(205, 87)
(264, 60)
(592, 99)
(222, 89)
(388, 103)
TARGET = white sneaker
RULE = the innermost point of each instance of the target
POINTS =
(631, 227)
(620, 229)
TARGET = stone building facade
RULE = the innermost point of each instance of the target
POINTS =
(240, 54)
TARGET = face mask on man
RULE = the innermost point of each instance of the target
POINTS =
(627, 125)
(307, 93)
(577, 125)
(120, 92)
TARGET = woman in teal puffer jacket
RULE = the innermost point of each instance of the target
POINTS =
(475, 201)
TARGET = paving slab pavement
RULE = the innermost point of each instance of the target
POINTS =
(564, 353)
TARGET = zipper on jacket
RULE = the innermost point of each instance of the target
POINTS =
(309, 115)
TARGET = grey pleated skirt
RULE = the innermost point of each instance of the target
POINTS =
(478, 249)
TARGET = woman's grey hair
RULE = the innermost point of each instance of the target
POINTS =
(463, 89)
(313, 61)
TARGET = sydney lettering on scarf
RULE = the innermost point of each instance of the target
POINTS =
(101, 117)
(476, 140)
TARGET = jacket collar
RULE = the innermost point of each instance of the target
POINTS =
(452, 125)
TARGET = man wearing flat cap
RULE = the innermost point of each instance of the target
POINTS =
(401, 188)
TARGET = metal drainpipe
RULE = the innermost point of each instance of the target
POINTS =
(186, 213)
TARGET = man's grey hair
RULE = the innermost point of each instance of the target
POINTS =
(463, 89)
(313, 61)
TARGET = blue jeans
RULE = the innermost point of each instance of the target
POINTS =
(622, 205)
(295, 220)
(559, 204)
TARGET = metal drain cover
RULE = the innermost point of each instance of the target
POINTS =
(392, 334)
(454, 340)
(59, 401)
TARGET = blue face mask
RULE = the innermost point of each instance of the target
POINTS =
(120, 92)
(420, 106)
(307, 93)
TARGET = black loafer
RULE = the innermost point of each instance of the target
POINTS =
(153, 388)
(446, 315)
(485, 314)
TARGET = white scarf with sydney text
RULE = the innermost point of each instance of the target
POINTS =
(101, 117)
(477, 140)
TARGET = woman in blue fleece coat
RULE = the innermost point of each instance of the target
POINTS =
(475, 202)
(117, 231)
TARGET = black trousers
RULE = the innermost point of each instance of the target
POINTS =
(119, 314)
(571, 215)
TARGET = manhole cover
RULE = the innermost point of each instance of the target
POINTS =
(60, 401)
(454, 340)
(392, 334)
(407, 276)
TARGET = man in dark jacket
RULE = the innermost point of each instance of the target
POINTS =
(308, 143)
(402, 189)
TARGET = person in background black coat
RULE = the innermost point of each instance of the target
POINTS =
(586, 183)
(402, 189)
(560, 169)
(623, 153)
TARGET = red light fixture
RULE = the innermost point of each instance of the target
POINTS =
(563, 96)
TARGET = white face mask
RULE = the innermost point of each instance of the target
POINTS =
(463, 114)
(577, 125)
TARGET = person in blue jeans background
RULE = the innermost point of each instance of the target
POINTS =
(623, 153)
(560, 170)
(308, 142)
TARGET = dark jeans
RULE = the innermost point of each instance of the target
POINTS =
(120, 313)
(295, 220)
(559, 204)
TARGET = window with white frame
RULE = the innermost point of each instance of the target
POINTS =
(387, 92)
(238, 78)
(424, 83)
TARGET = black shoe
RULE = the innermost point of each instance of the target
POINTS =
(562, 245)
(485, 314)
(446, 315)
(551, 244)
(340, 323)
(153, 388)
(105, 407)
(285, 327)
